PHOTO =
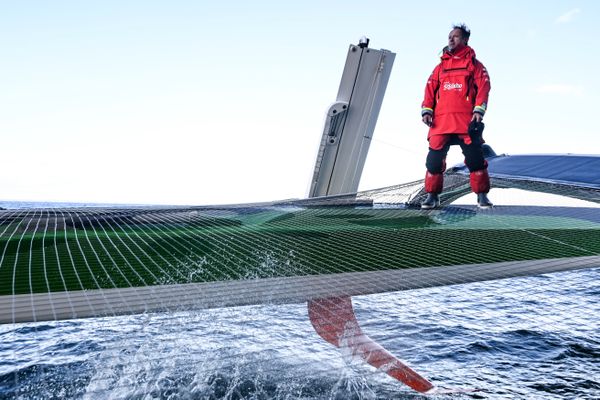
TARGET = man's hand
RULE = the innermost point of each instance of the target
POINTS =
(428, 120)
(476, 117)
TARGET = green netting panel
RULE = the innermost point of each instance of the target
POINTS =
(65, 263)
(59, 263)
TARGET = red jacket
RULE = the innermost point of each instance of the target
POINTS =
(457, 87)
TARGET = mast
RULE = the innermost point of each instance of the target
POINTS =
(351, 120)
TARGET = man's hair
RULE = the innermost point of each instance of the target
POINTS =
(464, 30)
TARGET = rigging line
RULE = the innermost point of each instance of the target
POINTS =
(30, 262)
(15, 230)
(396, 146)
(17, 251)
(16, 261)
(45, 264)
(59, 267)
(546, 237)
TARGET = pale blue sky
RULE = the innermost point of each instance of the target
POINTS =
(193, 102)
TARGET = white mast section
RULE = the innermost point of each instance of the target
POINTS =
(351, 120)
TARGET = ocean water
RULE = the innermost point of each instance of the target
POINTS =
(521, 338)
(525, 338)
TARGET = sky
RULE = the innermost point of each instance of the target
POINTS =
(204, 102)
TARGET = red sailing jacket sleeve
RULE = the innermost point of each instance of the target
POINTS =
(431, 89)
(482, 82)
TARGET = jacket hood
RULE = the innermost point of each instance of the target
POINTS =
(465, 52)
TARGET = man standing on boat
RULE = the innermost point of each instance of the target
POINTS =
(456, 97)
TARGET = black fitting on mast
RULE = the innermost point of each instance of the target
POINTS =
(363, 42)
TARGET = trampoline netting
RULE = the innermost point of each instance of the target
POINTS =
(156, 263)
(70, 263)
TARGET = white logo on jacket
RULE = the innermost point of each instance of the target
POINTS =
(453, 86)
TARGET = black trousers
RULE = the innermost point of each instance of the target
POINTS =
(436, 159)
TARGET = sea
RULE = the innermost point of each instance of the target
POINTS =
(520, 338)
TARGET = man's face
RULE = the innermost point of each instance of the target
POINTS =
(456, 40)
